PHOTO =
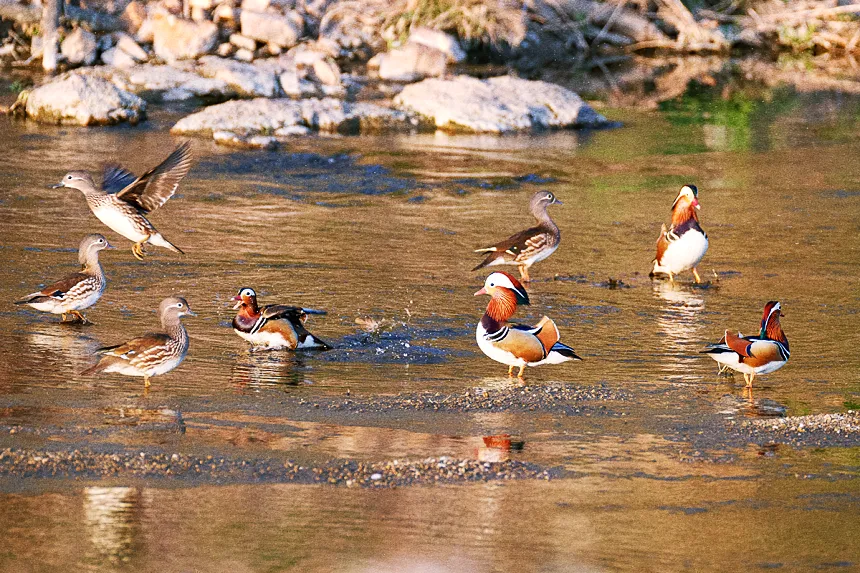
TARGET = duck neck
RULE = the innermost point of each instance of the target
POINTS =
(684, 216)
(173, 328)
(773, 331)
(542, 215)
(92, 265)
(246, 318)
(502, 306)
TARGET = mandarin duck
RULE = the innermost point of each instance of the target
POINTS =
(684, 243)
(274, 326)
(515, 344)
(124, 200)
(153, 353)
(530, 246)
(78, 291)
(754, 355)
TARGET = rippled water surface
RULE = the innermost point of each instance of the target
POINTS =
(383, 228)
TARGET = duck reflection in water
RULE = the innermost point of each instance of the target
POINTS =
(112, 518)
(680, 323)
(259, 370)
(497, 448)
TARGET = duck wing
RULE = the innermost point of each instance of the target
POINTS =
(152, 189)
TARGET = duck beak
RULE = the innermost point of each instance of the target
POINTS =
(557, 202)
(238, 303)
(109, 246)
(190, 312)
(57, 186)
(695, 204)
(480, 292)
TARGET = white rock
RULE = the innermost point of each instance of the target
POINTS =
(177, 39)
(245, 78)
(118, 58)
(441, 41)
(225, 50)
(292, 130)
(83, 100)
(264, 116)
(327, 72)
(245, 42)
(255, 5)
(412, 62)
(244, 55)
(295, 86)
(175, 84)
(497, 105)
(266, 27)
(127, 44)
(80, 47)
(225, 13)
(146, 32)
(202, 4)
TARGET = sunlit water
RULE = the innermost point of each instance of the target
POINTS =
(384, 228)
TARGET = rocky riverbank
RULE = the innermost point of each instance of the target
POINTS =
(326, 65)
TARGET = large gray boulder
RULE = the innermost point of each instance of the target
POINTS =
(246, 79)
(78, 99)
(172, 84)
(272, 28)
(179, 39)
(497, 105)
(244, 120)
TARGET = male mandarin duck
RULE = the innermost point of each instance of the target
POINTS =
(124, 200)
(683, 245)
(274, 326)
(754, 355)
(153, 353)
(78, 291)
(530, 246)
(516, 345)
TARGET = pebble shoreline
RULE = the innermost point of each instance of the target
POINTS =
(84, 464)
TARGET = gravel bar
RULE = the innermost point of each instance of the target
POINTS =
(83, 464)
(817, 429)
(568, 398)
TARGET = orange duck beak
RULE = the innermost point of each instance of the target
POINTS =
(480, 292)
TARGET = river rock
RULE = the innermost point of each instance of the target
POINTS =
(409, 63)
(127, 44)
(270, 28)
(80, 47)
(246, 79)
(294, 85)
(245, 42)
(261, 116)
(178, 39)
(497, 105)
(77, 99)
(118, 58)
(133, 16)
(445, 43)
(173, 84)
(327, 72)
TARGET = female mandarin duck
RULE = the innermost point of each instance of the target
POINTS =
(274, 326)
(78, 291)
(530, 246)
(124, 200)
(683, 245)
(516, 345)
(153, 353)
(754, 355)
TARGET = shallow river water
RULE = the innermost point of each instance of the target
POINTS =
(382, 228)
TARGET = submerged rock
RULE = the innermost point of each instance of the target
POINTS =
(242, 120)
(79, 99)
(497, 105)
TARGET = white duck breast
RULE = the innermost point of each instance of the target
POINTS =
(684, 253)
(116, 220)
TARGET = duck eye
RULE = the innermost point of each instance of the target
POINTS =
(68, 177)
(492, 285)
(179, 305)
